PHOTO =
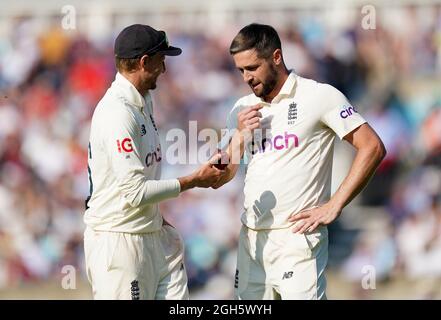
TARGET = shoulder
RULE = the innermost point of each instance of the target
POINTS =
(306, 84)
(328, 90)
(323, 94)
(243, 102)
(114, 110)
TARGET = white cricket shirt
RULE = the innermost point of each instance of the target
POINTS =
(289, 164)
(125, 164)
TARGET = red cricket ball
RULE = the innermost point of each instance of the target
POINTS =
(222, 163)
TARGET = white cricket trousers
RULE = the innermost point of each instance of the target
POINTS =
(136, 266)
(279, 264)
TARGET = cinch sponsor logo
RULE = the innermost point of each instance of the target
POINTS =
(125, 145)
(347, 112)
(154, 156)
(278, 142)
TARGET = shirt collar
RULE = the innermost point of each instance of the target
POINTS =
(289, 84)
(129, 92)
(286, 90)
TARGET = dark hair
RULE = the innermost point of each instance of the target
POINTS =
(261, 37)
(127, 65)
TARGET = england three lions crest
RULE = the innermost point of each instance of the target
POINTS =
(292, 113)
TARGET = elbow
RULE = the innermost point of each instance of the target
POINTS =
(131, 200)
(130, 192)
(379, 151)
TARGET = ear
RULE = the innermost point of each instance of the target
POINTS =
(277, 57)
(143, 61)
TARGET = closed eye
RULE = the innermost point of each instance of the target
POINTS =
(252, 68)
(248, 68)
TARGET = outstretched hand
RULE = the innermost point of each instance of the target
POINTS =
(208, 174)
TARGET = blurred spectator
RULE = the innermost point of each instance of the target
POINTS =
(51, 79)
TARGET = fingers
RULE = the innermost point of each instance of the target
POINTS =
(299, 216)
(255, 116)
(253, 110)
(308, 225)
(249, 118)
(252, 123)
(305, 221)
(257, 107)
(305, 226)
(252, 114)
(314, 226)
(215, 159)
(299, 226)
(224, 160)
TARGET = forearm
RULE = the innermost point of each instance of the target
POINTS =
(236, 148)
(160, 190)
(137, 190)
(363, 167)
(187, 182)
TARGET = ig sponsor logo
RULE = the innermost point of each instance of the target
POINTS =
(125, 145)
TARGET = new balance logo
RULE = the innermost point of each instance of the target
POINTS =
(236, 279)
(287, 275)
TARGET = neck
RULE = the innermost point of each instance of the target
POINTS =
(134, 79)
(281, 78)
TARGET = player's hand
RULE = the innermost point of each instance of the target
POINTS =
(208, 175)
(249, 119)
(222, 161)
(308, 220)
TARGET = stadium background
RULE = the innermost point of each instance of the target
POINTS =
(51, 79)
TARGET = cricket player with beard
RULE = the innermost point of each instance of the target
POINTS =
(286, 129)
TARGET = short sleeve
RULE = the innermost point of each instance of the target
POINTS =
(230, 128)
(123, 144)
(338, 114)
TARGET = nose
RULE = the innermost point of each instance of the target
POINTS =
(247, 77)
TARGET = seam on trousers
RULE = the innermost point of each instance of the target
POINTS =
(316, 279)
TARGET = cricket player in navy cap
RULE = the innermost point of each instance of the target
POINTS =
(131, 251)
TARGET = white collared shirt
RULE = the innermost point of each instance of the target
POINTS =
(291, 170)
(125, 163)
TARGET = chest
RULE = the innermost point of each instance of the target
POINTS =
(150, 146)
(290, 118)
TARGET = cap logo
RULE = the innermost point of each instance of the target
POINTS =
(166, 40)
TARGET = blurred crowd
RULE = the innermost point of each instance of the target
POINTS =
(51, 80)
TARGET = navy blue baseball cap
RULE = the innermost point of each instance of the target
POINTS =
(138, 39)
